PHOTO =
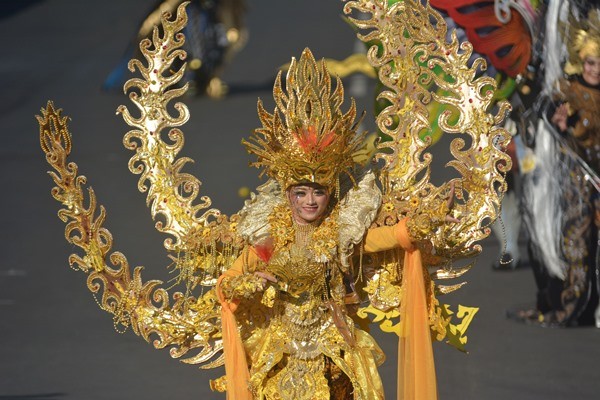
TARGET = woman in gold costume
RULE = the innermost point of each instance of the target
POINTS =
(297, 265)
(282, 291)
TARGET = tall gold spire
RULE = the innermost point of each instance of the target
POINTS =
(307, 138)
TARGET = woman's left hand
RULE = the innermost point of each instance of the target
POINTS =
(265, 278)
(560, 117)
(450, 203)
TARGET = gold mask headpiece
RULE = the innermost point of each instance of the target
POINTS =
(307, 138)
(583, 40)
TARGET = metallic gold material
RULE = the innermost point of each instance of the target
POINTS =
(445, 289)
(241, 287)
(413, 60)
(200, 243)
(456, 333)
(413, 54)
(451, 273)
(356, 63)
(188, 324)
(201, 240)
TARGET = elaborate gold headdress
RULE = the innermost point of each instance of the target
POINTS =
(307, 138)
(583, 40)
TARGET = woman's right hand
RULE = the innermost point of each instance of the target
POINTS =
(265, 278)
(560, 117)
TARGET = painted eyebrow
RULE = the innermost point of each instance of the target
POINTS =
(307, 188)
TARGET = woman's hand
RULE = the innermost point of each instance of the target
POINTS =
(450, 203)
(560, 117)
(429, 217)
(265, 278)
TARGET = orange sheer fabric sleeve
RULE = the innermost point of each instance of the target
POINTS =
(382, 238)
(236, 367)
(416, 367)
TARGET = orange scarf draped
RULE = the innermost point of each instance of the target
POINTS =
(236, 366)
(416, 369)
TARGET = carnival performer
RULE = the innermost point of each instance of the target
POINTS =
(568, 282)
(281, 293)
(307, 346)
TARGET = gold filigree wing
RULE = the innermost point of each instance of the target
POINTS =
(201, 241)
(420, 64)
(414, 59)
(189, 326)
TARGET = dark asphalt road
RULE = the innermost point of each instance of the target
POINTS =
(54, 341)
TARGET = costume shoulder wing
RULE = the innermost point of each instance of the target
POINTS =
(201, 241)
(418, 65)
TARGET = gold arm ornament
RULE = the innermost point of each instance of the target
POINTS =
(201, 240)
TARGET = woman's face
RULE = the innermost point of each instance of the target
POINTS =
(308, 202)
(591, 70)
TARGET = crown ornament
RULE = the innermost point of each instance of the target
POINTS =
(307, 138)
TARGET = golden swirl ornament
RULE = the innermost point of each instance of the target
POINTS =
(416, 59)
(201, 240)
(412, 54)
(188, 324)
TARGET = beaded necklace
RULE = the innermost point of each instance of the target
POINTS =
(320, 240)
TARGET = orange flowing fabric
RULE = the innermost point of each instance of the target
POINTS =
(236, 366)
(416, 369)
